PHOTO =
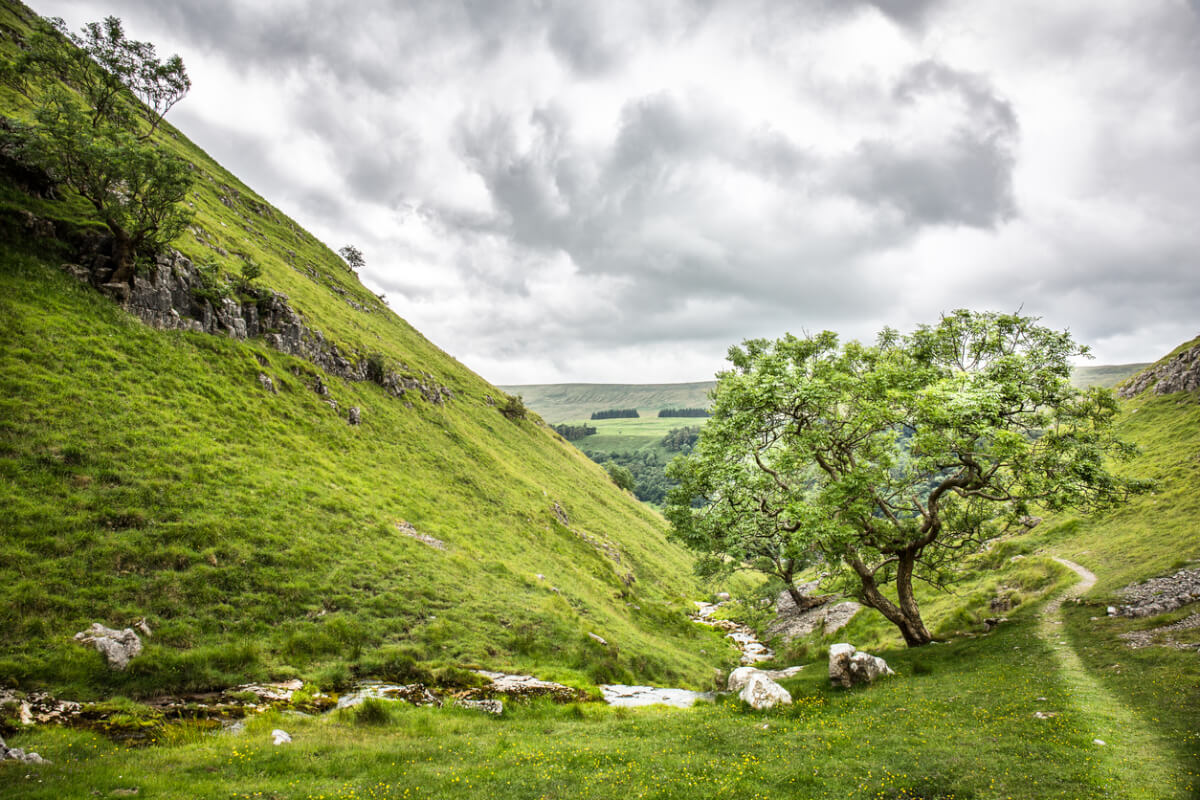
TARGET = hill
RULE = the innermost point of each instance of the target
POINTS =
(571, 402)
(286, 479)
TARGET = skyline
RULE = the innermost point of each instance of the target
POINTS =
(616, 193)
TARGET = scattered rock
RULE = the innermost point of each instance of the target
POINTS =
(408, 530)
(18, 754)
(281, 737)
(560, 514)
(848, 667)
(416, 694)
(1160, 595)
(1045, 714)
(267, 384)
(521, 686)
(144, 627)
(829, 617)
(723, 597)
(117, 647)
(490, 706)
(1112, 611)
(1098, 741)
(760, 693)
(1030, 522)
(742, 675)
(598, 639)
(1161, 635)
(355, 416)
(992, 622)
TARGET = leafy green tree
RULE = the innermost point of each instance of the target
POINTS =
(98, 98)
(891, 462)
(353, 257)
(621, 476)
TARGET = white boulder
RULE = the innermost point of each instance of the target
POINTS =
(117, 647)
(848, 667)
(281, 736)
(760, 692)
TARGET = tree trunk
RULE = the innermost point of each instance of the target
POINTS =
(906, 616)
(122, 256)
(915, 633)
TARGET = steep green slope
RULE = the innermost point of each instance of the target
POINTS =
(150, 473)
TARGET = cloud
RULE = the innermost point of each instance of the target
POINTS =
(600, 190)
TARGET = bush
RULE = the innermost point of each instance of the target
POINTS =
(372, 711)
(513, 407)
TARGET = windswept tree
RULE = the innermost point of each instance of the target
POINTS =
(97, 99)
(353, 257)
(892, 462)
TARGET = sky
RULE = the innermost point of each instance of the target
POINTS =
(612, 191)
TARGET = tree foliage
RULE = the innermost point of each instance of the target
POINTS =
(98, 98)
(620, 475)
(890, 462)
(683, 412)
(353, 257)
(616, 413)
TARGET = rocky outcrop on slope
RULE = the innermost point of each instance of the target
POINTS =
(174, 294)
(824, 615)
(1180, 374)
(1160, 595)
(117, 647)
(850, 667)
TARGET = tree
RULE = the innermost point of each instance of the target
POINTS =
(621, 476)
(99, 99)
(891, 462)
(353, 256)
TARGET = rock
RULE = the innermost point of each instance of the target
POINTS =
(760, 693)
(1045, 714)
(1098, 741)
(723, 597)
(740, 677)
(408, 530)
(490, 706)
(829, 618)
(144, 627)
(117, 647)
(1030, 522)
(1112, 611)
(281, 736)
(267, 384)
(597, 638)
(355, 415)
(521, 686)
(849, 667)
(623, 696)
(1180, 374)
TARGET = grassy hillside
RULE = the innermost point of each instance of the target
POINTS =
(148, 473)
(565, 402)
(571, 402)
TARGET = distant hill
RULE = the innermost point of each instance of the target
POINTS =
(570, 402)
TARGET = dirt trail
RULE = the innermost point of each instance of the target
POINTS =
(1133, 752)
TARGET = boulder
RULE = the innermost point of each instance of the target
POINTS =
(355, 415)
(848, 667)
(740, 677)
(117, 647)
(490, 706)
(760, 692)
(281, 736)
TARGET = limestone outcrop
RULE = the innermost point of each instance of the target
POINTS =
(1180, 374)
(850, 667)
(174, 294)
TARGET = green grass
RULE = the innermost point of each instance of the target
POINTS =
(956, 722)
(146, 473)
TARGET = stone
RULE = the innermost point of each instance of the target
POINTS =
(117, 647)
(761, 693)
(596, 638)
(489, 706)
(522, 686)
(848, 667)
(267, 384)
(281, 736)
(355, 415)
(1098, 741)
(1045, 714)
(144, 627)
(1112, 611)
(623, 696)
(740, 677)
(408, 530)
(723, 597)
(1030, 522)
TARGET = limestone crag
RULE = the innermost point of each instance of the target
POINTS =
(828, 617)
(173, 294)
(1180, 374)
(1160, 595)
